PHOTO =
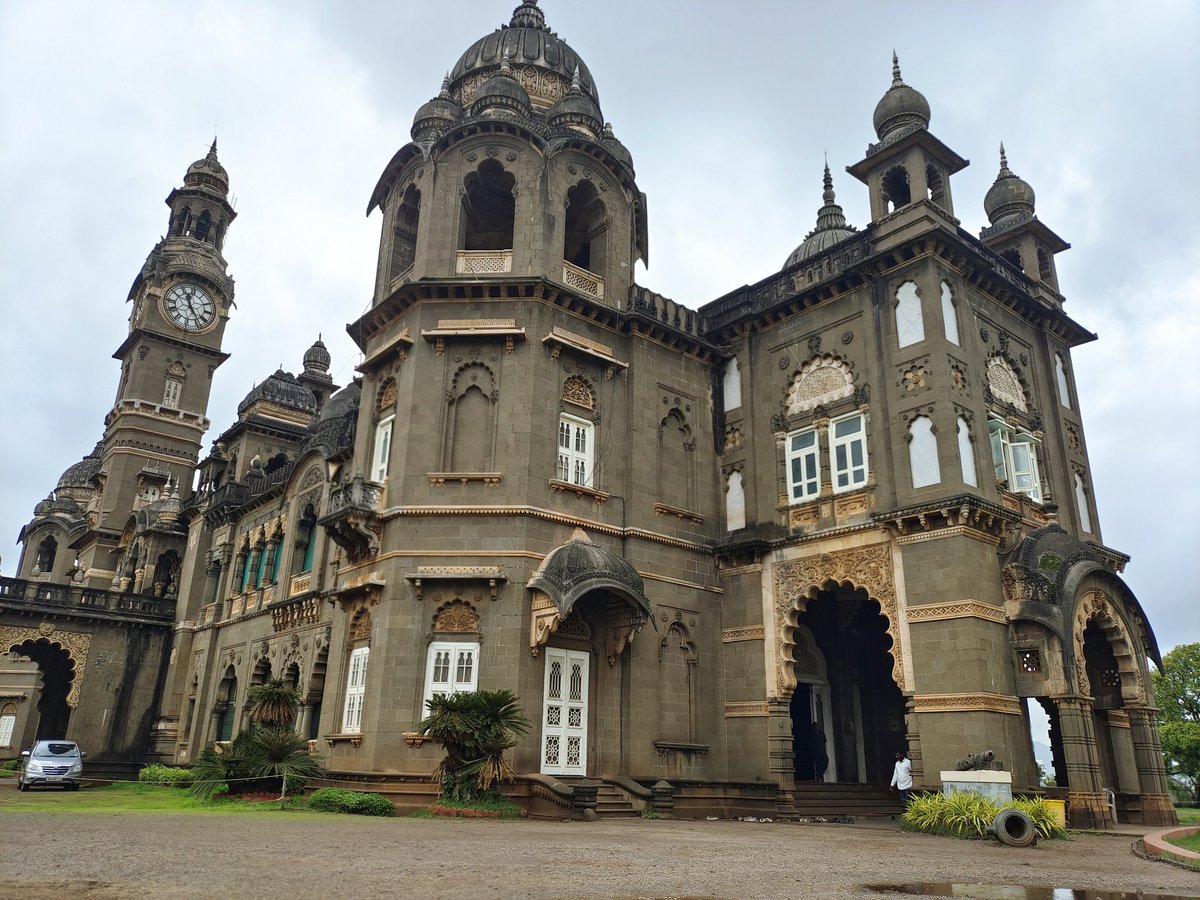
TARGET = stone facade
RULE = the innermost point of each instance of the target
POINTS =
(741, 554)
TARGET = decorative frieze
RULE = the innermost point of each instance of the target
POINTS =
(744, 633)
(967, 702)
(961, 609)
(752, 710)
(491, 574)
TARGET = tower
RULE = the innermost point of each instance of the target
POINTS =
(180, 302)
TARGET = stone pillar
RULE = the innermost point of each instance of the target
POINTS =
(235, 586)
(1122, 744)
(272, 549)
(1085, 794)
(304, 720)
(255, 555)
(913, 738)
(780, 753)
(1157, 806)
(212, 580)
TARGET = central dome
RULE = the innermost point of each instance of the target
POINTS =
(543, 64)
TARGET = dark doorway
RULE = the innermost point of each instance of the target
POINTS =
(58, 672)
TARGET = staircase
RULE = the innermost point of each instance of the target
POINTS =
(613, 803)
(829, 800)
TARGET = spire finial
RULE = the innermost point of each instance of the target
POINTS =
(528, 15)
(576, 84)
(212, 151)
(505, 66)
(828, 196)
(1005, 171)
(897, 81)
(444, 93)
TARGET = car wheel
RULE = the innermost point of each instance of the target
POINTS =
(22, 786)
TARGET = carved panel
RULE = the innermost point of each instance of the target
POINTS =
(74, 643)
(823, 379)
(456, 616)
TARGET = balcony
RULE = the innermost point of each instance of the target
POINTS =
(484, 262)
(72, 599)
(582, 280)
(353, 521)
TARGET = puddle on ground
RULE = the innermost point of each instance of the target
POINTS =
(1010, 892)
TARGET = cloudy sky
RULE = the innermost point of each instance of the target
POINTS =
(728, 110)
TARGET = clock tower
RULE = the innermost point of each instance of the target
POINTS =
(179, 306)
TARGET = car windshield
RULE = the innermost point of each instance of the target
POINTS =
(56, 749)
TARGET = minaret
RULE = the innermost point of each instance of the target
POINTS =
(180, 302)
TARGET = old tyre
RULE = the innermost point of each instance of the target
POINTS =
(1014, 828)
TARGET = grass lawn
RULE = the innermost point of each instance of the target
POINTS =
(1188, 815)
(1191, 842)
(133, 798)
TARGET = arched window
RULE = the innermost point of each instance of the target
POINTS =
(489, 208)
(356, 673)
(936, 185)
(1060, 375)
(46, 553)
(8, 722)
(172, 392)
(735, 503)
(1014, 256)
(910, 322)
(226, 705)
(732, 384)
(1045, 267)
(585, 243)
(202, 226)
(1081, 501)
(966, 452)
(404, 232)
(895, 188)
(306, 542)
(923, 453)
(949, 314)
(183, 225)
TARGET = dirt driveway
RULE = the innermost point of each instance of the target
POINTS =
(293, 856)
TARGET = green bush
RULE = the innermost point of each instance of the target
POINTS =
(354, 802)
(10, 765)
(968, 814)
(166, 776)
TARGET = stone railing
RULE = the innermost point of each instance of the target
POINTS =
(294, 613)
(582, 280)
(18, 593)
(655, 306)
(400, 280)
(484, 262)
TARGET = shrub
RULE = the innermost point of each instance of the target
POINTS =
(165, 776)
(10, 765)
(353, 802)
(968, 814)
(475, 729)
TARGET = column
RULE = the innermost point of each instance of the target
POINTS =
(1157, 806)
(304, 724)
(272, 549)
(1088, 804)
(1117, 723)
(780, 753)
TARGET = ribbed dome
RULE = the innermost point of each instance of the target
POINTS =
(63, 506)
(1008, 196)
(284, 390)
(580, 566)
(900, 106)
(437, 115)
(528, 42)
(615, 147)
(577, 110)
(831, 227)
(208, 171)
(502, 92)
(80, 474)
(317, 358)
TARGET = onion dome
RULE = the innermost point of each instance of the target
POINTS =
(169, 508)
(208, 172)
(1009, 196)
(502, 92)
(81, 474)
(283, 390)
(900, 106)
(616, 148)
(831, 227)
(529, 44)
(317, 359)
(61, 506)
(432, 119)
(576, 110)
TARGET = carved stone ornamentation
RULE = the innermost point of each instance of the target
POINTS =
(576, 390)
(456, 616)
(75, 644)
(1096, 605)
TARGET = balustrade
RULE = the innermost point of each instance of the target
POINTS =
(19, 593)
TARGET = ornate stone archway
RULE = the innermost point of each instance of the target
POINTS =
(1097, 606)
(74, 643)
(796, 582)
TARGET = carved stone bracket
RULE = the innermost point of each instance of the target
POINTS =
(353, 520)
(493, 575)
(439, 479)
(662, 509)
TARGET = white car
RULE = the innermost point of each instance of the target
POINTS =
(53, 763)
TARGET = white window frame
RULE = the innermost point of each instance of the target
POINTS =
(172, 393)
(1008, 446)
(381, 452)
(809, 458)
(356, 689)
(1060, 376)
(857, 474)
(576, 451)
(457, 680)
(8, 722)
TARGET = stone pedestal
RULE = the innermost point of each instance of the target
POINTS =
(992, 784)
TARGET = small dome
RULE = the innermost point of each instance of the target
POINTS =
(616, 148)
(317, 358)
(169, 507)
(284, 390)
(831, 227)
(502, 92)
(62, 506)
(437, 115)
(1009, 196)
(80, 474)
(900, 106)
(527, 41)
(208, 171)
(576, 110)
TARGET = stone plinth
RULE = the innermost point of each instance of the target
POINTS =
(996, 785)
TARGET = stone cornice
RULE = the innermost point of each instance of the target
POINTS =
(981, 701)
(960, 609)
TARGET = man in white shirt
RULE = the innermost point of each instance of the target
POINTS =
(902, 778)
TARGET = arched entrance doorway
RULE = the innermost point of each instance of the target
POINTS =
(845, 702)
(57, 669)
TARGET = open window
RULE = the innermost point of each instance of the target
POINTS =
(404, 232)
(896, 190)
(1015, 458)
(586, 241)
(489, 208)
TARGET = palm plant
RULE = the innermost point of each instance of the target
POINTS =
(214, 769)
(273, 703)
(280, 753)
(475, 729)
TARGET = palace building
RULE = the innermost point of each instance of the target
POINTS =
(847, 507)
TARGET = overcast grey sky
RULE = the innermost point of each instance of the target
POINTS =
(727, 109)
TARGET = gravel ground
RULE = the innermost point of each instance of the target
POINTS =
(149, 854)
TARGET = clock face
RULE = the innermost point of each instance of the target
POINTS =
(189, 308)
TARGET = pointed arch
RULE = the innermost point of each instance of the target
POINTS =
(822, 380)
